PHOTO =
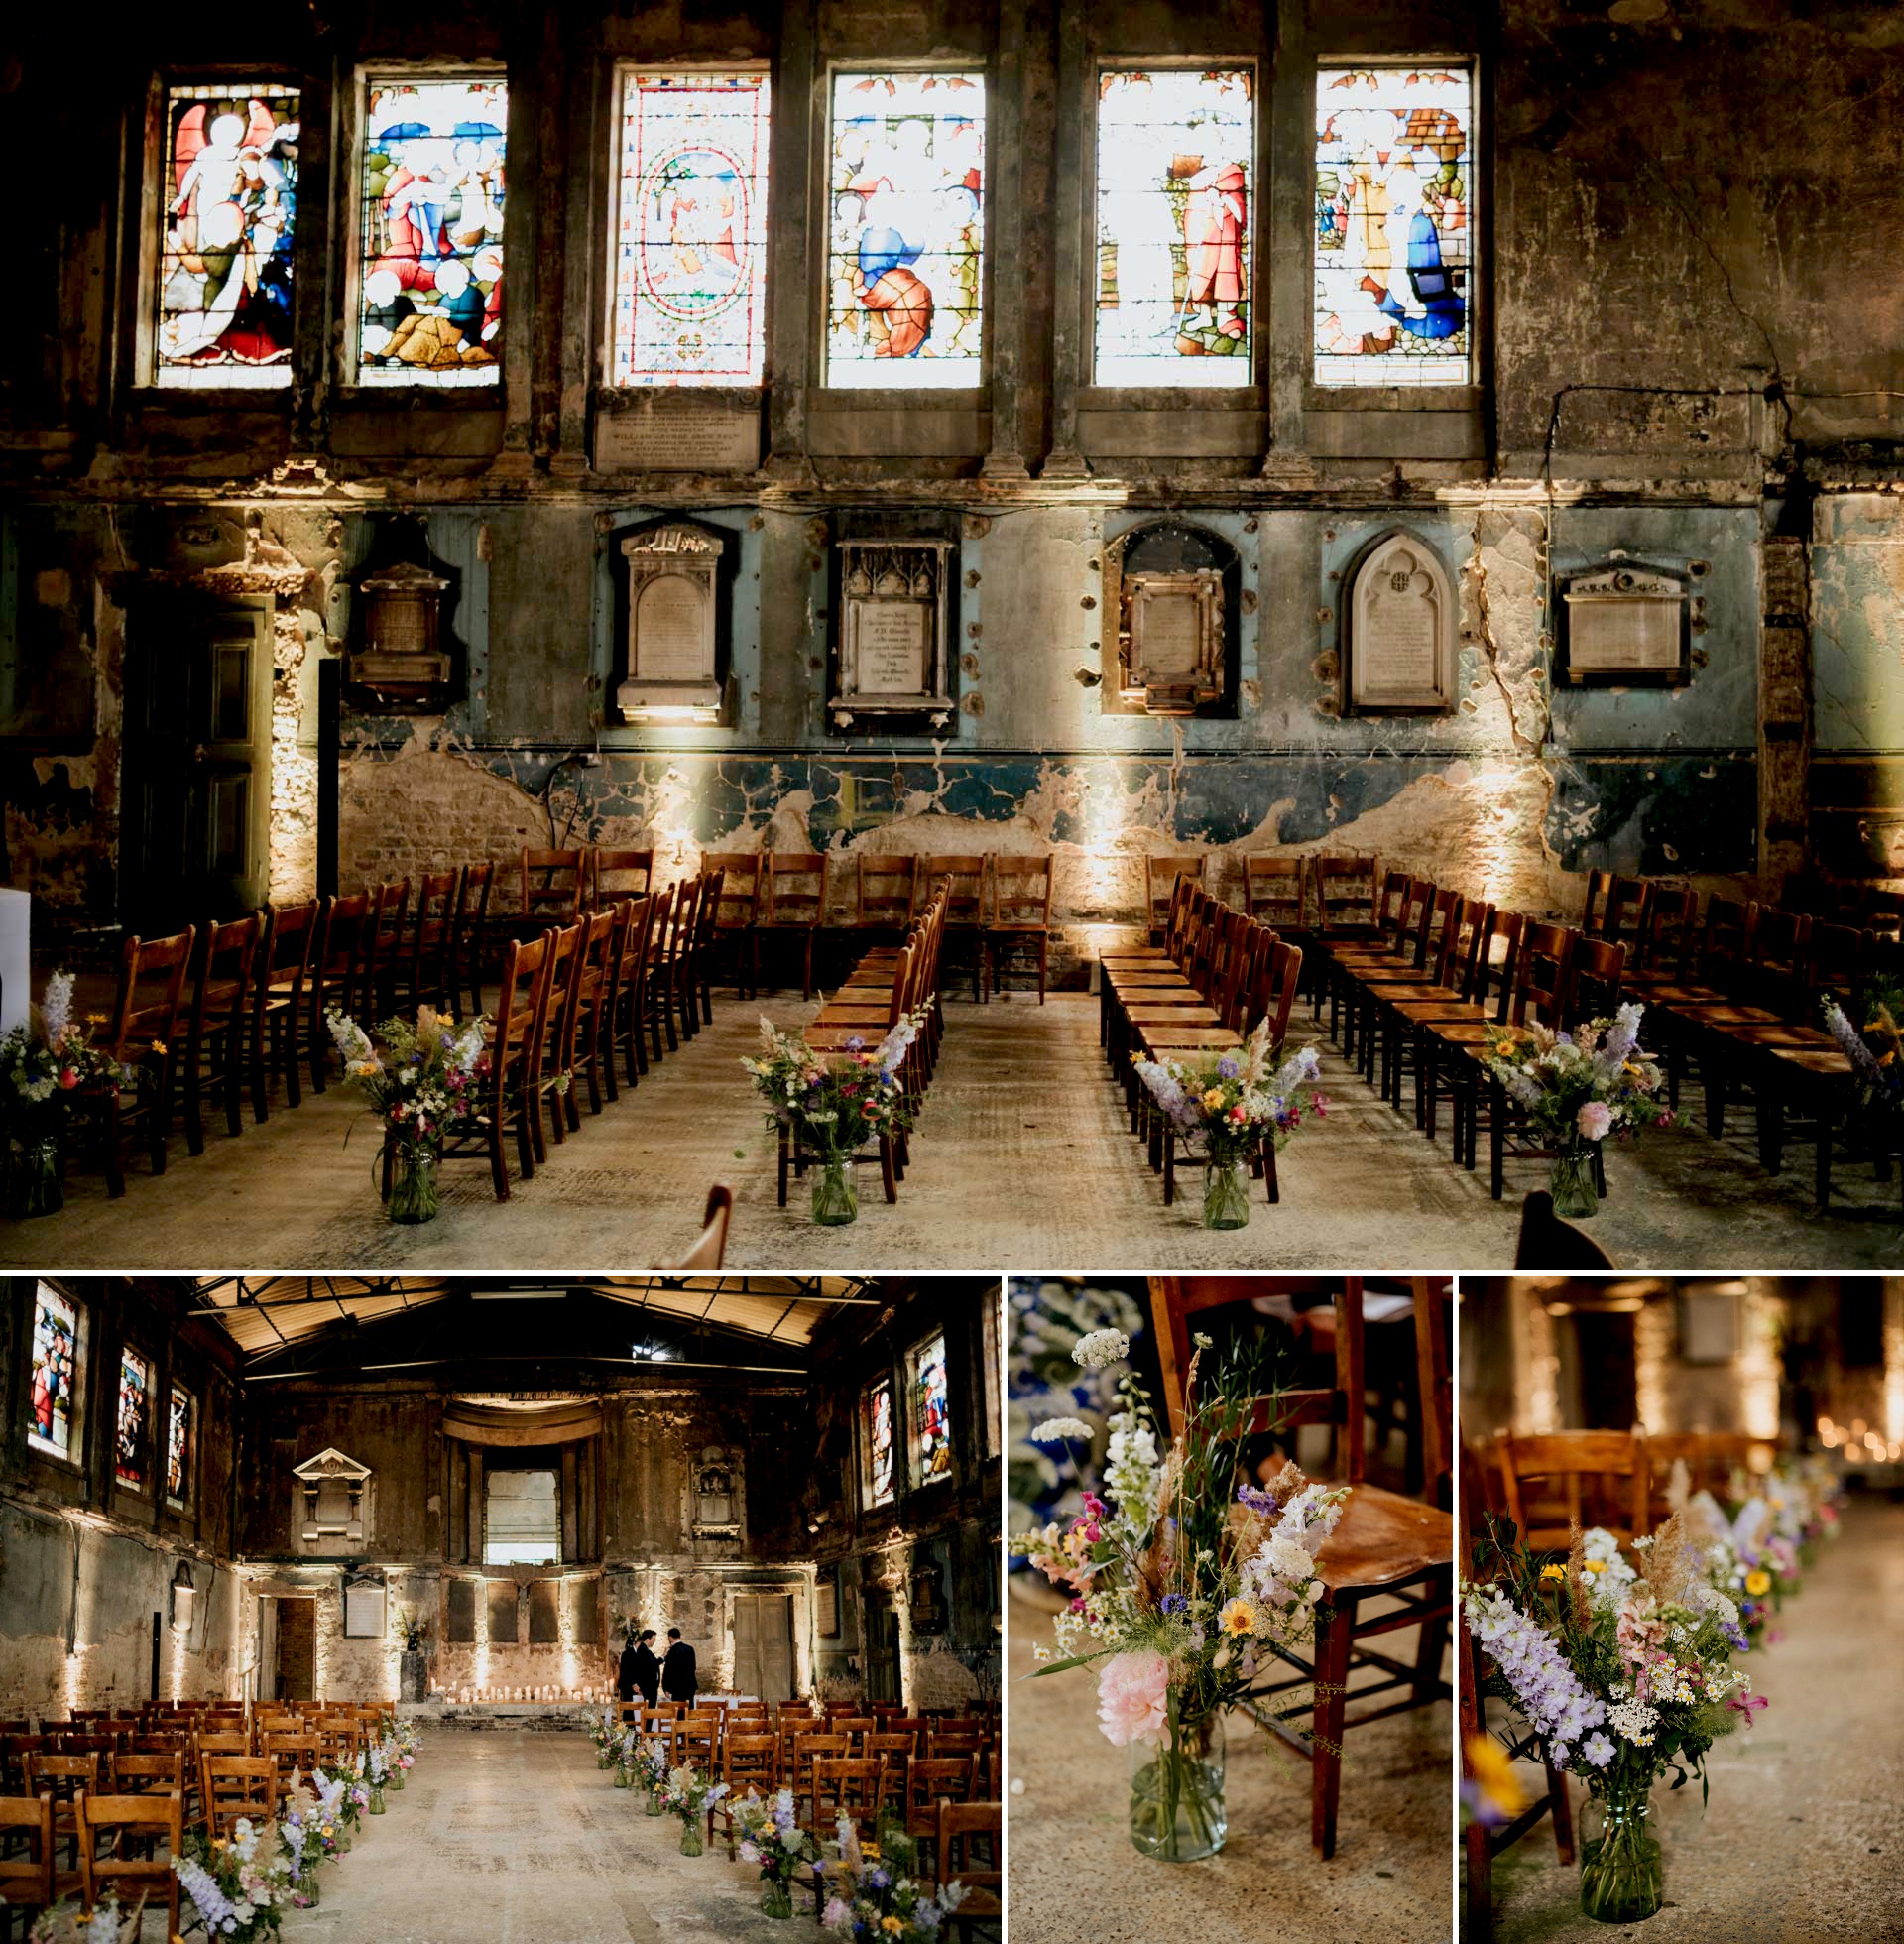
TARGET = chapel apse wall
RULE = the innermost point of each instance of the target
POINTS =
(1667, 365)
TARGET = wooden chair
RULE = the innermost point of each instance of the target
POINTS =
(930, 1780)
(961, 1825)
(237, 1785)
(27, 1881)
(625, 1005)
(547, 1074)
(748, 1761)
(710, 1246)
(887, 893)
(141, 1036)
(221, 993)
(335, 974)
(552, 887)
(67, 1778)
(384, 949)
(1386, 1548)
(597, 953)
(854, 1727)
(967, 876)
(811, 1747)
(142, 1774)
(702, 952)
(118, 1822)
(278, 1002)
(1561, 1461)
(1482, 1842)
(1160, 875)
(424, 976)
(1548, 1243)
(736, 913)
(795, 902)
(1020, 916)
(620, 866)
(1274, 890)
(1345, 893)
(294, 1751)
(468, 931)
(510, 1100)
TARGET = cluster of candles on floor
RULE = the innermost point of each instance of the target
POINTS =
(468, 1696)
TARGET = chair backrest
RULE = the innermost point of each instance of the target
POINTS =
(930, 1778)
(152, 976)
(710, 1246)
(604, 864)
(135, 1774)
(1840, 955)
(1593, 906)
(898, 1749)
(713, 883)
(959, 1823)
(120, 1819)
(1348, 893)
(1562, 1460)
(235, 1785)
(808, 1748)
(1621, 913)
(1277, 988)
(293, 1750)
(750, 1758)
(887, 887)
(1594, 984)
(472, 913)
(1545, 961)
(1546, 1242)
(1666, 942)
(27, 1880)
(965, 873)
(552, 885)
(64, 1774)
(1725, 942)
(1461, 943)
(843, 1783)
(1272, 889)
(227, 958)
(1779, 963)
(797, 888)
(738, 904)
(1020, 890)
(291, 932)
(1160, 875)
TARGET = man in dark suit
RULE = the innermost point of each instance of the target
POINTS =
(677, 1670)
(625, 1673)
(648, 1670)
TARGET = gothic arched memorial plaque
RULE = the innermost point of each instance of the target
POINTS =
(1401, 624)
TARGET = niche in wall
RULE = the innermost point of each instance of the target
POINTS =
(674, 622)
(402, 653)
(331, 1504)
(1174, 592)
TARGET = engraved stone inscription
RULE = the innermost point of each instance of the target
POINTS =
(1400, 615)
(1400, 639)
(1172, 636)
(672, 639)
(1639, 637)
(678, 435)
(893, 637)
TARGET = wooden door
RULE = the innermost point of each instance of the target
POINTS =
(764, 1646)
(296, 1669)
(882, 1646)
(196, 808)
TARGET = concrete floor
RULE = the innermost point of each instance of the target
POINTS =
(1072, 1874)
(1022, 1161)
(1801, 1840)
(515, 1837)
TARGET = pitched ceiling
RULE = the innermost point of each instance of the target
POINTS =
(266, 1314)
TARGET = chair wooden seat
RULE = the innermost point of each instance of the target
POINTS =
(1384, 1539)
(1825, 1061)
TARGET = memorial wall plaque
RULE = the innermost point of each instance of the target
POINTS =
(673, 594)
(678, 433)
(1626, 625)
(1173, 639)
(1401, 611)
(896, 610)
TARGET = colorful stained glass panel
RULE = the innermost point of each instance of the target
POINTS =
(931, 1428)
(55, 1371)
(690, 231)
(878, 1443)
(432, 190)
(1394, 225)
(135, 1414)
(228, 212)
(905, 229)
(178, 1446)
(1175, 186)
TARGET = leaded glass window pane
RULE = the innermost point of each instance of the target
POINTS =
(431, 192)
(1394, 225)
(878, 1442)
(227, 214)
(931, 1428)
(55, 1370)
(905, 229)
(690, 230)
(134, 1418)
(178, 1446)
(1175, 187)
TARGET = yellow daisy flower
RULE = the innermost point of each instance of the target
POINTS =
(1758, 1582)
(1237, 1618)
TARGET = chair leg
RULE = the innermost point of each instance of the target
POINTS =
(112, 1129)
(234, 1076)
(159, 1112)
(497, 1161)
(195, 1095)
(783, 1162)
(888, 1174)
(1044, 961)
(1334, 1625)
(1562, 1811)
(1271, 1187)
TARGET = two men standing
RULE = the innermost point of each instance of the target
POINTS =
(641, 1674)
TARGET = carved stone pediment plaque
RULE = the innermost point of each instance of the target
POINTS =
(670, 655)
(399, 658)
(331, 1502)
(894, 616)
(1172, 650)
(1625, 623)
(1402, 624)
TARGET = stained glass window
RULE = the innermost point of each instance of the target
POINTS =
(905, 229)
(931, 1429)
(178, 1446)
(690, 232)
(135, 1413)
(878, 1409)
(431, 303)
(227, 212)
(55, 1371)
(1395, 228)
(1175, 156)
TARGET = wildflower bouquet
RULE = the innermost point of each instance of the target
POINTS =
(301, 1835)
(1622, 1673)
(66, 1922)
(832, 1103)
(772, 1837)
(1751, 1577)
(1233, 1103)
(238, 1885)
(1876, 1048)
(605, 1732)
(870, 1901)
(650, 1761)
(689, 1796)
(425, 1086)
(1577, 1090)
(48, 1067)
(327, 1817)
(1184, 1585)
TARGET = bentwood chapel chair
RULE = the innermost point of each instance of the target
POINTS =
(1388, 1564)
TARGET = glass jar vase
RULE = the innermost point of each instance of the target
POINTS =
(1176, 1794)
(1573, 1181)
(835, 1199)
(777, 1899)
(376, 1798)
(415, 1193)
(691, 1843)
(656, 1806)
(1621, 1875)
(34, 1184)
(1225, 1195)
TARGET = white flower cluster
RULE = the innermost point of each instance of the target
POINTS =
(1055, 1430)
(1607, 1575)
(1133, 1470)
(1101, 1349)
(1633, 1720)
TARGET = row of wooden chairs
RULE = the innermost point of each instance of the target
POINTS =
(1217, 974)
(110, 1841)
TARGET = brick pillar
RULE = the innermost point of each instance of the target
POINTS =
(1784, 712)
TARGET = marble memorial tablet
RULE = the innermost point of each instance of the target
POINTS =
(1401, 618)
(1624, 622)
(673, 638)
(672, 652)
(894, 618)
(891, 641)
(678, 433)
